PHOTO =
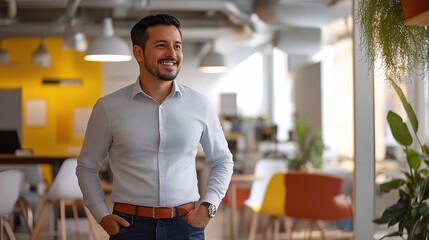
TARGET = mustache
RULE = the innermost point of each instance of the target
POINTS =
(169, 59)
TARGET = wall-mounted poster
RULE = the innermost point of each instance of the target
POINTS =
(35, 113)
(81, 118)
(228, 104)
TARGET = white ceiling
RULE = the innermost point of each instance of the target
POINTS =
(202, 20)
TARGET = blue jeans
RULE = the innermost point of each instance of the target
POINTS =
(142, 228)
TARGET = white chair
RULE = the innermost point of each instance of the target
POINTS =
(10, 186)
(264, 170)
(64, 191)
(33, 186)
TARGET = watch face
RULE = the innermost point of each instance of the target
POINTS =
(212, 210)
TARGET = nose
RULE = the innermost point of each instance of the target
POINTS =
(170, 52)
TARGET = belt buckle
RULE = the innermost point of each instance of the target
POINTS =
(155, 217)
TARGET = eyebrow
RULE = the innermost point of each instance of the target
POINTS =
(164, 41)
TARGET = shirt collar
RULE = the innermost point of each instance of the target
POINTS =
(175, 91)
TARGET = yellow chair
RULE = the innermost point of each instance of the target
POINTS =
(273, 205)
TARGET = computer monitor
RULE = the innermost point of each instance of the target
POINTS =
(9, 141)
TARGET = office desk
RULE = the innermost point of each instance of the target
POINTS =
(54, 161)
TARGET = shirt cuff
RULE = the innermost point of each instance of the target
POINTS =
(100, 211)
(212, 198)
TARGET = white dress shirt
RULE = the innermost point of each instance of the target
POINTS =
(151, 149)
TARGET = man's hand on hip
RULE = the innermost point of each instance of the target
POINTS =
(112, 223)
(198, 217)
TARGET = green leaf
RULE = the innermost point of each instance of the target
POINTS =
(407, 106)
(425, 194)
(392, 184)
(425, 149)
(413, 159)
(424, 211)
(392, 234)
(399, 129)
(425, 171)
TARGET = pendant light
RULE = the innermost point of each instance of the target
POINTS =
(108, 47)
(75, 41)
(213, 62)
(4, 56)
(41, 57)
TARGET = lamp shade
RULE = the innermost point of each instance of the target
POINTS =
(108, 47)
(41, 56)
(4, 57)
(75, 41)
(213, 62)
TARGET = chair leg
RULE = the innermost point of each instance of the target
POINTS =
(276, 228)
(39, 220)
(294, 226)
(311, 230)
(322, 232)
(287, 221)
(63, 220)
(267, 227)
(253, 226)
(28, 215)
(8, 228)
(76, 218)
(91, 223)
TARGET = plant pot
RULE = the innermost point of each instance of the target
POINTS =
(416, 12)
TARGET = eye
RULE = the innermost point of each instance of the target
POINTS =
(178, 46)
(161, 45)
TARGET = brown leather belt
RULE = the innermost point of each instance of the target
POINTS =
(154, 212)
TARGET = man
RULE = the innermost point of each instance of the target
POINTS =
(150, 132)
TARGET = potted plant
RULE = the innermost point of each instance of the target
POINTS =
(411, 211)
(400, 49)
(310, 147)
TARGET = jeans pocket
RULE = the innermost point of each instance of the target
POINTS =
(122, 229)
(189, 225)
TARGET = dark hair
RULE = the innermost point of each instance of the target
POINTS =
(139, 33)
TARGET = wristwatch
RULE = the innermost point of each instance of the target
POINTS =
(211, 208)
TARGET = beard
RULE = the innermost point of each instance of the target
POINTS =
(154, 70)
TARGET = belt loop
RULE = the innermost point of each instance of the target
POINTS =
(172, 212)
(178, 213)
(137, 211)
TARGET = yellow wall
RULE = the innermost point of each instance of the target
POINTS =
(58, 135)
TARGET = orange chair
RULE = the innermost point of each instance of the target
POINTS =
(313, 197)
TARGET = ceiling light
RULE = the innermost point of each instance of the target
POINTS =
(41, 56)
(108, 47)
(4, 57)
(75, 41)
(213, 62)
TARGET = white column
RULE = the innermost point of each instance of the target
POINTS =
(364, 184)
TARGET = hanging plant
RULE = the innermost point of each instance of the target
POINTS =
(401, 49)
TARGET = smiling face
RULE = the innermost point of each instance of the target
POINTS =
(162, 55)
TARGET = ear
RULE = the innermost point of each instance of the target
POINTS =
(138, 53)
